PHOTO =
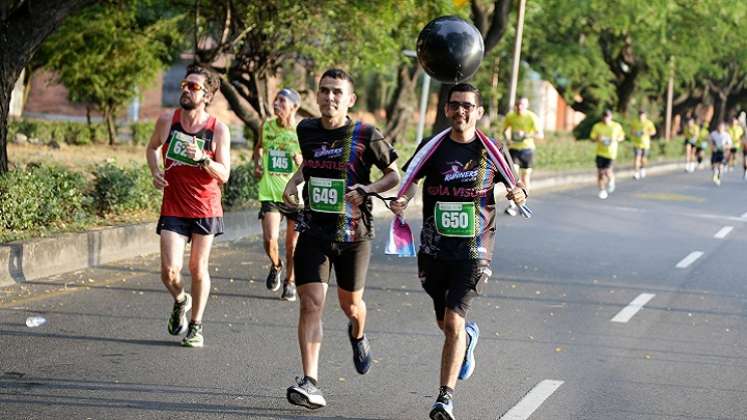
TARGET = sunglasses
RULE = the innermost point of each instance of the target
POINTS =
(191, 86)
(455, 105)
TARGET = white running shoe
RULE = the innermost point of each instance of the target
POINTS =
(643, 173)
(603, 194)
(611, 186)
(637, 176)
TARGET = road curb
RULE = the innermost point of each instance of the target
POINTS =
(38, 258)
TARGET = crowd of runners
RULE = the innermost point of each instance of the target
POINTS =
(329, 223)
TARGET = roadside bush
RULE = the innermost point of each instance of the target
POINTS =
(117, 190)
(141, 132)
(73, 133)
(41, 196)
(242, 188)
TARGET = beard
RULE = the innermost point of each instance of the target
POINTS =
(187, 103)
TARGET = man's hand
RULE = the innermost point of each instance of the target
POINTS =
(257, 169)
(354, 197)
(159, 181)
(194, 152)
(517, 195)
(290, 195)
(399, 205)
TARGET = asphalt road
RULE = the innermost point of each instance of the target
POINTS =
(549, 348)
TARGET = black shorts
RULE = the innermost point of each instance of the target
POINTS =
(717, 156)
(604, 163)
(640, 152)
(452, 284)
(276, 207)
(314, 259)
(523, 157)
(733, 150)
(187, 226)
(690, 142)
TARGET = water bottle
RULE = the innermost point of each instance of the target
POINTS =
(35, 321)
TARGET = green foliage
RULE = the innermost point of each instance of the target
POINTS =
(118, 190)
(41, 196)
(108, 51)
(242, 188)
(72, 133)
(141, 132)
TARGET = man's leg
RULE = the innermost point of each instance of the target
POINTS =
(310, 332)
(351, 268)
(644, 162)
(610, 179)
(455, 345)
(198, 267)
(172, 255)
(291, 238)
(270, 235)
(526, 177)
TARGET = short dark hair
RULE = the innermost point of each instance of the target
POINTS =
(465, 87)
(338, 74)
(607, 113)
(212, 82)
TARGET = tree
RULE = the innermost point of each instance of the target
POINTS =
(492, 22)
(107, 52)
(24, 25)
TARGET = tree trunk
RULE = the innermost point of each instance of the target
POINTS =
(91, 130)
(243, 110)
(23, 27)
(111, 127)
(402, 104)
(719, 110)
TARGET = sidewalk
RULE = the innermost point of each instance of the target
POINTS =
(38, 258)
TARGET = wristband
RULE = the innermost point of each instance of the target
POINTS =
(204, 162)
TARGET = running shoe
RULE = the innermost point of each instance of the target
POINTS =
(611, 185)
(306, 394)
(361, 352)
(178, 319)
(289, 291)
(273, 279)
(512, 210)
(443, 408)
(468, 365)
(194, 336)
(643, 175)
(637, 176)
(603, 194)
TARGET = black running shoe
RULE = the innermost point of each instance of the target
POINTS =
(289, 292)
(306, 394)
(361, 352)
(273, 279)
(178, 319)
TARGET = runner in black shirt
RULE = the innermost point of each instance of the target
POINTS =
(457, 237)
(336, 224)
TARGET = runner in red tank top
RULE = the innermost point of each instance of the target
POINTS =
(195, 150)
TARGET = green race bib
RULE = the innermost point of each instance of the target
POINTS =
(278, 162)
(178, 147)
(455, 219)
(327, 195)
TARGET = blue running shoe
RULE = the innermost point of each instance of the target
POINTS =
(361, 352)
(443, 408)
(468, 366)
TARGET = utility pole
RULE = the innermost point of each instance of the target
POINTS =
(517, 55)
(670, 94)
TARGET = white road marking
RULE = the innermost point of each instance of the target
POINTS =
(689, 259)
(532, 401)
(636, 305)
(743, 216)
(721, 234)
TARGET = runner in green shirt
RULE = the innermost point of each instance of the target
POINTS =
(606, 134)
(643, 129)
(520, 129)
(276, 158)
(692, 141)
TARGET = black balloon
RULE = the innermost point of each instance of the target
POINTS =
(450, 49)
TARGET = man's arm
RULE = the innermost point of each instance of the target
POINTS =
(290, 193)
(154, 145)
(257, 152)
(399, 205)
(220, 168)
(389, 179)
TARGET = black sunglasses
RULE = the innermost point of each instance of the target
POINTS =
(455, 105)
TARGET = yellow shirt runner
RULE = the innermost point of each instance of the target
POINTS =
(523, 129)
(607, 136)
(642, 132)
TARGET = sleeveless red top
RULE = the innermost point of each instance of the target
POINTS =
(191, 192)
